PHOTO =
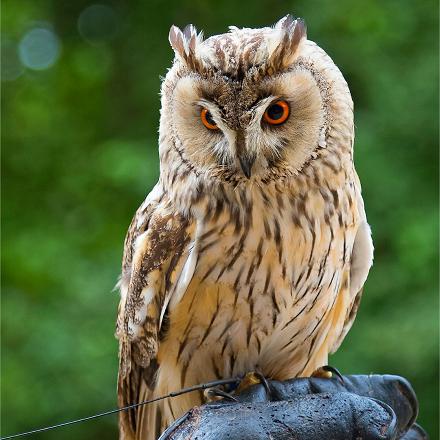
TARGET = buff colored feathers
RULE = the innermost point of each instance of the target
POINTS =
(252, 250)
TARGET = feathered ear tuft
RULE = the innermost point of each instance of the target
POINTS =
(185, 45)
(292, 32)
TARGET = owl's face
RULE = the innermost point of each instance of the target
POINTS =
(246, 105)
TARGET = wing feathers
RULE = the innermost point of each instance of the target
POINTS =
(156, 248)
(361, 259)
(360, 264)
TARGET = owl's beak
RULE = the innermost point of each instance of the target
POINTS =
(245, 158)
(246, 163)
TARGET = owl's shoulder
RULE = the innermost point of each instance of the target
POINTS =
(157, 223)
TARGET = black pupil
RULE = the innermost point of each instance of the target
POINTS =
(275, 112)
(209, 119)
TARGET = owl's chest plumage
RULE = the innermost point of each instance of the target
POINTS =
(266, 283)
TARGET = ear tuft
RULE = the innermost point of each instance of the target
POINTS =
(292, 32)
(285, 22)
(185, 45)
(176, 40)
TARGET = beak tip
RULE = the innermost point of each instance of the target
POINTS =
(246, 166)
(247, 173)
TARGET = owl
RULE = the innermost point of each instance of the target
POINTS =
(252, 250)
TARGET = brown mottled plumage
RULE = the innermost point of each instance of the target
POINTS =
(224, 273)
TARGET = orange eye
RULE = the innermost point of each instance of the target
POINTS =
(207, 120)
(277, 113)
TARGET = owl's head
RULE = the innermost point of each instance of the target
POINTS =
(251, 104)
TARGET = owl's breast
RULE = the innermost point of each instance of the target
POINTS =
(264, 289)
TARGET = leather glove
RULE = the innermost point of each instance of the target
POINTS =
(359, 407)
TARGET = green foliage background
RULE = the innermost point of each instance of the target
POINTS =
(80, 154)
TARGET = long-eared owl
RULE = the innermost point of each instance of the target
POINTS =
(252, 249)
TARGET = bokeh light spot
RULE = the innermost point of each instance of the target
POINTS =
(39, 49)
(98, 23)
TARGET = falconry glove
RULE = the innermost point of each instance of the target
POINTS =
(359, 407)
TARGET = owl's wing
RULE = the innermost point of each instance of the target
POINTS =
(156, 248)
(360, 264)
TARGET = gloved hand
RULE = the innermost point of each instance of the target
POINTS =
(359, 407)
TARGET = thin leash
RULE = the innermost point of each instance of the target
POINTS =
(202, 386)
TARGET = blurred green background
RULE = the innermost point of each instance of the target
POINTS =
(80, 117)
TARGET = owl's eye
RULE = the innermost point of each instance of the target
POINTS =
(207, 119)
(277, 113)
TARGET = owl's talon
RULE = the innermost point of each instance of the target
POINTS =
(254, 378)
(264, 382)
(213, 394)
(327, 372)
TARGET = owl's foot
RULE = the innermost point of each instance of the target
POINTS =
(327, 372)
(213, 394)
(254, 378)
(250, 379)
